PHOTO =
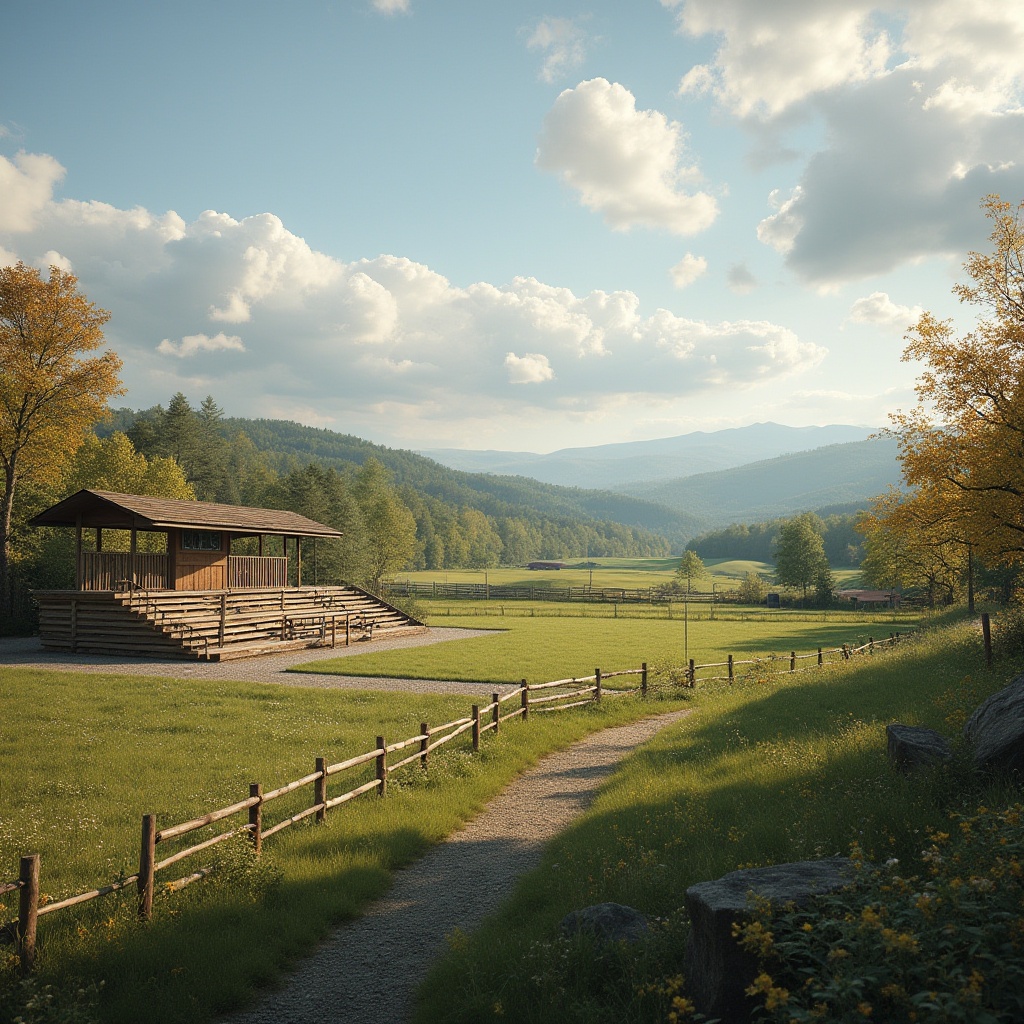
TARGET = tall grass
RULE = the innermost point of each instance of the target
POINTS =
(781, 769)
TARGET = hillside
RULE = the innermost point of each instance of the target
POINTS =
(663, 459)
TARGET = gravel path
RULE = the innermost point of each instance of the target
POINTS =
(27, 652)
(368, 969)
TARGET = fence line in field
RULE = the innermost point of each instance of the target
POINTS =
(481, 719)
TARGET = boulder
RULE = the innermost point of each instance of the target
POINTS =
(912, 747)
(996, 730)
(607, 922)
(717, 970)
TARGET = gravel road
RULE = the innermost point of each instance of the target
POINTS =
(368, 969)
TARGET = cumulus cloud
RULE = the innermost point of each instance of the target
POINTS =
(688, 269)
(741, 280)
(391, 6)
(563, 44)
(378, 337)
(26, 184)
(878, 309)
(626, 164)
(922, 108)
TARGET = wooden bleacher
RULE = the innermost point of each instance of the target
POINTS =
(213, 625)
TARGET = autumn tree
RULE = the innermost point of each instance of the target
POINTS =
(52, 390)
(965, 438)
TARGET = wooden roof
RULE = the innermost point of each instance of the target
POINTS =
(125, 511)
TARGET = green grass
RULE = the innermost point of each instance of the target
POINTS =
(781, 769)
(83, 757)
(542, 647)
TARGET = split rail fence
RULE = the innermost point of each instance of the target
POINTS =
(481, 719)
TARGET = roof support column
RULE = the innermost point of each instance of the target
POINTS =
(298, 561)
(78, 552)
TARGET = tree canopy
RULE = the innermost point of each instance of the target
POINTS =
(800, 559)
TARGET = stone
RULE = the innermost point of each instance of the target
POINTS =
(912, 747)
(996, 730)
(716, 968)
(607, 922)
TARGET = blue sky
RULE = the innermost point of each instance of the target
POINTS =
(520, 226)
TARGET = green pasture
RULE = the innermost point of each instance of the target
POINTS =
(774, 769)
(542, 648)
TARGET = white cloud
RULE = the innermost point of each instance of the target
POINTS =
(368, 338)
(193, 344)
(26, 185)
(878, 309)
(741, 280)
(626, 164)
(563, 44)
(391, 6)
(531, 368)
(688, 269)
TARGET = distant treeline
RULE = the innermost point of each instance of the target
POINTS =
(756, 541)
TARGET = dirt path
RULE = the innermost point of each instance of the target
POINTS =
(368, 969)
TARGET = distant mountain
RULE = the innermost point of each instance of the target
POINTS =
(843, 475)
(667, 458)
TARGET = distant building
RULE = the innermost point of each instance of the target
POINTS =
(885, 598)
(545, 565)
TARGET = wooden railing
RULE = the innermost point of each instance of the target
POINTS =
(481, 719)
(107, 570)
(257, 572)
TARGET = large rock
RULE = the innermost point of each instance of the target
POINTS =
(912, 747)
(996, 730)
(717, 970)
(607, 922)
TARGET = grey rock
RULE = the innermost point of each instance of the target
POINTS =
(717, 970)
(607, 922)
(912, 747)
(996, 730)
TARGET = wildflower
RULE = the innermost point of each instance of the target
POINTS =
(864, 1009)
(838, 953)
(807, 926)
(774, 995)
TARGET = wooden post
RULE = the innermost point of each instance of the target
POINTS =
(496, 713)
(792, 661)
(643, 680)
(28, 910)
(298, 561)
(476, 728)
(871, 645)
(334, 631)
(382, 767)
(147, 863)
(986, 631)
(846, 652)
(526, 700)
(424, 743)
(74, 625)
(732, 669)
(256, 817)
(223, 617)
(597, 685)
(692, 673)
(348, 628)
(320, 789)
(821, 658)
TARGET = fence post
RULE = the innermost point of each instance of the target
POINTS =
(792, 661)
(476, 728)
(223, 616)
(846, 652)
(871, 645)
(643, 680)
(320, 789)
(147, 863)
(28, 910)
(256, 817)
(424, 743)
(986, 631)
(497, 712)
(597, 685)
(821, 658)
(692, 673)
(732, 669)
(382, 766)
(526, 700)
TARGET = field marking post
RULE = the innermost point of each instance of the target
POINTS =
(256, 817)
(320, 789)
(732, 669)
(792, 661)
(382, 766)
(643, 680)
(147, 866)
(821, 658)
(28, 911)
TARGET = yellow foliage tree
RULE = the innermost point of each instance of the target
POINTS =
(964, 442)
(51, 390)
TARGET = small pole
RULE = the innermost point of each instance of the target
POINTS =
(497, 712)
(526, 700)
(223, 616)
(643, 680)
(28, 911)
(382, 766)
(692, 673)
(792, 661)
(424, 743)
(348, 628)
(476, 728)
(821, 658)
(320, 790)
(147, 863)
(334, 631)
(732, 669)
(597, 685)
(846, 652)
(986, 630)
(256, 817)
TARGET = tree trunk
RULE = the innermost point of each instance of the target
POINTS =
(6, 604)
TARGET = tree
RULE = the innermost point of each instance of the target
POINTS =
(800, 553)
(691, 568)
(51, 391)
(390, 528)
(753, 589)
(966, 435)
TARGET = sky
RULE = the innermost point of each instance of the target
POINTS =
(520, 226)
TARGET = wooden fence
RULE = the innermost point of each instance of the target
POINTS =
(481, 719)
(527, 592)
